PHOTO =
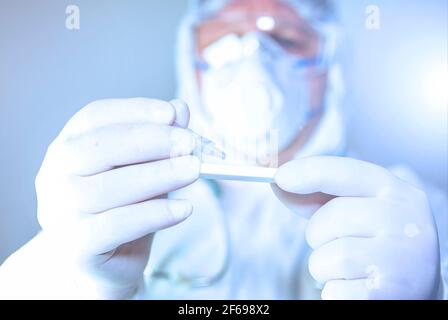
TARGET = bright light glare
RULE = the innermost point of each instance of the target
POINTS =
(435, 85)
(265, 23)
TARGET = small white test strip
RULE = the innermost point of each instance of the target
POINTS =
(237, 173)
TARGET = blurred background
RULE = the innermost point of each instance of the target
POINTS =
(396, 83)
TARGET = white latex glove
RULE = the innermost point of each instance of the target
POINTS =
(375, 240)
(100, 186)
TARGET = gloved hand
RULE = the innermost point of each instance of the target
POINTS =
(374, 239)
(100, 189)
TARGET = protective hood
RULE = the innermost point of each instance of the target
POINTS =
(327, 139)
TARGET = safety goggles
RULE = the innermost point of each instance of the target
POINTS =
(295, 36)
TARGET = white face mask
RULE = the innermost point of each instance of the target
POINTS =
(252, 91)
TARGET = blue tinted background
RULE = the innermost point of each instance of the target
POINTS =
(126, 49)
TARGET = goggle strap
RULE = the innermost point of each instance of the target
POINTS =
(316, 112)
(201, 65)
